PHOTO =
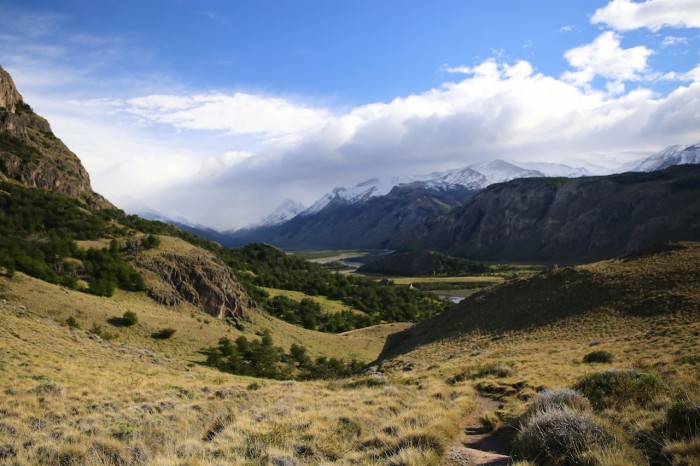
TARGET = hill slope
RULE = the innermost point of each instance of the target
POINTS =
(663, 280)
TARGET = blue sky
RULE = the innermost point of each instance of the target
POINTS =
(216, 111)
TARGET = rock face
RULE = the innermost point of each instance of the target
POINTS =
(568, 219)
(32, 155)
(197, 277)
(9, 96)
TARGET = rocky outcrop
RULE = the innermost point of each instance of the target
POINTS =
(31, 154)
(9, 96)
(197, 277)
(568, 220)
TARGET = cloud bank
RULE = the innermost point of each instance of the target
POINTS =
(225, 158)
(627, 15)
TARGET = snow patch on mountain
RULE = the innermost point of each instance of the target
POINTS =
(288, 209)
(670, 156)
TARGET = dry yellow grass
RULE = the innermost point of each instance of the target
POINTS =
(70, 398)
(67, 397)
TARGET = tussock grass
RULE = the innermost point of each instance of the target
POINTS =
(122, 404)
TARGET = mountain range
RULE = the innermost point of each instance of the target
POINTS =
(405, 212)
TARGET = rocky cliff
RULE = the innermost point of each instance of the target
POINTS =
(31, 154)
(568, 220)
(181, 272)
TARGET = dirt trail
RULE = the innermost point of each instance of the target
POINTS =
(479, 446)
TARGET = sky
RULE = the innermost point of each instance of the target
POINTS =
(216, 111)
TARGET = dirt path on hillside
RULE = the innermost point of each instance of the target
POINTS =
(479, 446)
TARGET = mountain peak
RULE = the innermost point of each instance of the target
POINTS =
(31, 154)
(9, 95)
(668, 157)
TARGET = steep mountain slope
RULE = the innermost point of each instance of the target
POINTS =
(31, 154)
(568, 219)
(368, 224)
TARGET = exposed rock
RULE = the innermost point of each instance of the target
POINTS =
(195, 276)
(568, 219)
(32, 155)
(9, 96)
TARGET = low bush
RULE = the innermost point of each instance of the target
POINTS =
(498, 370)
(561, 436)
(130, 318)
(683, 420)
(72, 322)
(618, 387)
(600, 356)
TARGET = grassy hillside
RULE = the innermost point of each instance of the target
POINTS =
(626, 332)
(69, 397)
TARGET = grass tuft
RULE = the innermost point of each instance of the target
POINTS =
(599, 356)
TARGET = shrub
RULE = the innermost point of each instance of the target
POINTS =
(560, 436)
(620, 387)
(49, 387)
(598, 356)
(71, 322)
(560, 398)
(498, 370)
(130, 318)
(124, 430)
(163, 334)
(683, 420)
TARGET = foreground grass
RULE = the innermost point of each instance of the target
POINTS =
(68, 397)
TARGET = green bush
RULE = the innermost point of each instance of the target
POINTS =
(260, 358)
(130, 318)
(601, 356)
(620, 387)
(71, 322)
(683, 420)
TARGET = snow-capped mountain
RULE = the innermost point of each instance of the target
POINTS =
(289, 208)
(473, 177)
(361, 192)
(557, 169)
(670, 156)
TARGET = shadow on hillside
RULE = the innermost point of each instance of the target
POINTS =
(118, 322)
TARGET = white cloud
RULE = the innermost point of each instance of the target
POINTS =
(605, 58)
(238, 114)
(626, 15)
(568, 28)
(496, 110)
(669, 41)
